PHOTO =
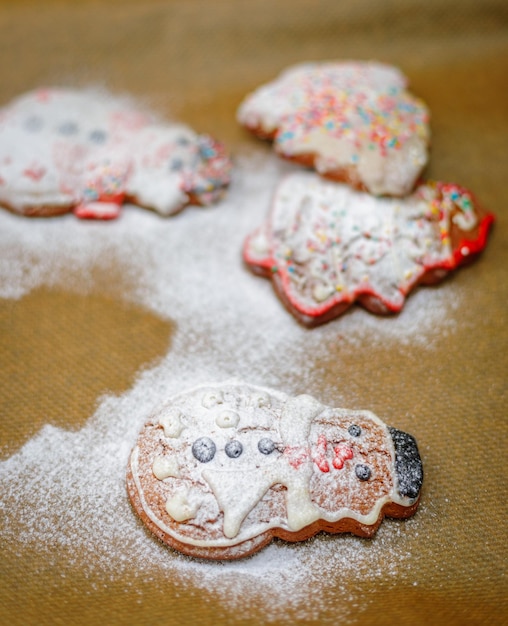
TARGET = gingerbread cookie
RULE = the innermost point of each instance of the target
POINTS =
(353, 122)
(326, 246)
(89, 151)
(222, 469)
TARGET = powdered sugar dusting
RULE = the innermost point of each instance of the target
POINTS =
(64, 494)
(188, 268)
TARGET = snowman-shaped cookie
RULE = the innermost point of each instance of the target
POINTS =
(220, 470)
(89, 152)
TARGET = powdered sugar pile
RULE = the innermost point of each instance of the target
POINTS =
(64, 494)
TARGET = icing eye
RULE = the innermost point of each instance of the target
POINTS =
(363, 472)
(354, 430)
(212, 398)
(227, 419)
(266, 446)
(203, 449)
(234, 449)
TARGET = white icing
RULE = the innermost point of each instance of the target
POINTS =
(259, 243)
(180, 507)
(238, 492)
(260, 399)
(163, 192)
(227, 419)
(322, 292)
(165, 467)
(171, 422)
(297, 416)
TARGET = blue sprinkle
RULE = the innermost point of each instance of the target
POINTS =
(288, 134)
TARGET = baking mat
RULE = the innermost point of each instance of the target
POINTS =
(99, 322)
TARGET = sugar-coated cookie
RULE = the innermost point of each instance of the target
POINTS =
(89, 151)
(220, 470)
(326, 246)
(352, 121)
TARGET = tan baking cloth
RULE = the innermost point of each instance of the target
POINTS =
(198, 59)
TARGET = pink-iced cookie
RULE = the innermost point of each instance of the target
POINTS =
(353, 122)
(325, 246)
(89, 151)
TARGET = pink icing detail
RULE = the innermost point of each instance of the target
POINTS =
(320, 454)
(130, 120)
(43, 95)
(296, 455)
(342, 453)
(34, 172)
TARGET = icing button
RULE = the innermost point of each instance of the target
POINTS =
(68, 128)
(261, 400)
(234, 449)
(212, 398)
(354, 430)
(227, 419)
(363, 472)
(176, 165)
(204, 449)
(98, 136)
(266, 446)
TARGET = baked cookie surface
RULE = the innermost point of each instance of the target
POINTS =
(352, 121)
(326, 246)
(222, 469)
(89, 151)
